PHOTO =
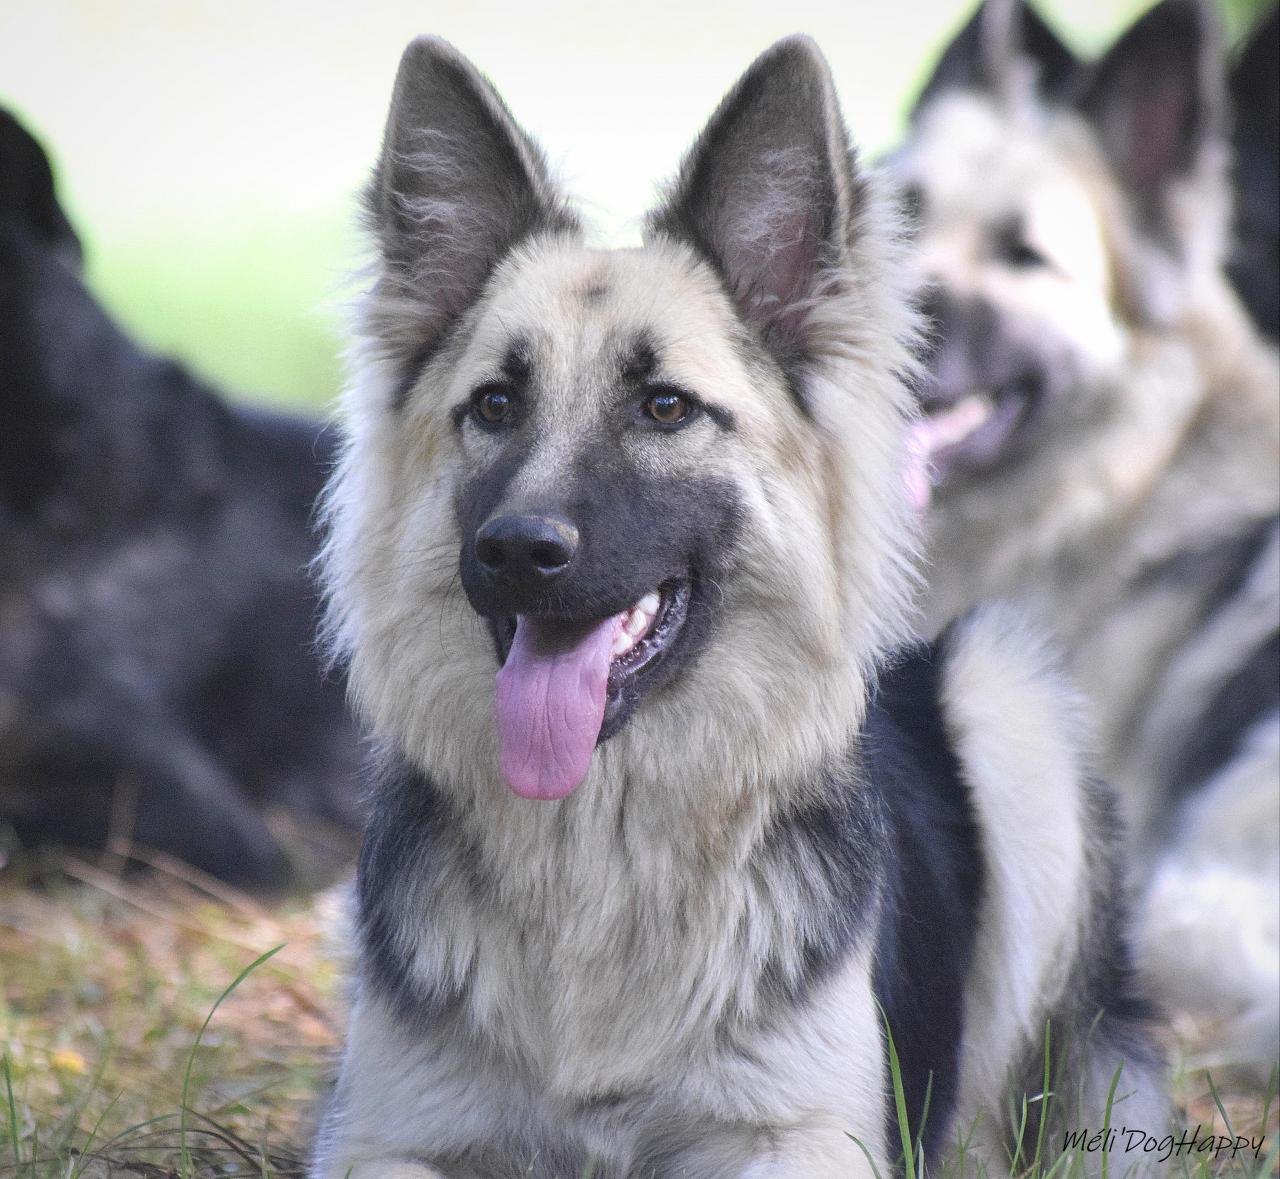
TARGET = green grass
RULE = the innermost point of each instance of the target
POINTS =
(252, 303)
(1247, 1113)
(148, 1025)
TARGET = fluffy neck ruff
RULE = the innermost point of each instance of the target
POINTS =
(538, 939)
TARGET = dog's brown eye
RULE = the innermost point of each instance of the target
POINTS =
(668, 409)
(492, 405)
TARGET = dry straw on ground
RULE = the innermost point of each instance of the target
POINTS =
(105, 983)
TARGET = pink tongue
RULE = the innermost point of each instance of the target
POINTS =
(920, 444)
(550, 701)
(933, 434)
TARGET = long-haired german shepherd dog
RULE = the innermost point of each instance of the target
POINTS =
(1103, 428)
(159, 685)
(672, 817)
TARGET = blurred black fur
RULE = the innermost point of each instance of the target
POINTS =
(1254, 266)
(157, 674)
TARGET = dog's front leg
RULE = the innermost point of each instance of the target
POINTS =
(817, 1151)
(390, 1169)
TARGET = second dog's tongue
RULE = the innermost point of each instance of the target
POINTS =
(549, 704)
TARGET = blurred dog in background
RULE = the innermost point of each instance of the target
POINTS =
(1102, 442)
(158, 686)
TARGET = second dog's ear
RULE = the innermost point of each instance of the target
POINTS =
(458, 185)
(766, 192)
(998, 33)
(1157, 99)
(1255, 96)
(28, 195)
(1255, 89)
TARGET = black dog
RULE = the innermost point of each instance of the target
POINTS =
(157, 675)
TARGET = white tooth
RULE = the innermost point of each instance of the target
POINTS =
(636, 624)
(621, 644)
(649, 603)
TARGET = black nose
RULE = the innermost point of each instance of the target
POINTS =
(964, 347)
(526, 549)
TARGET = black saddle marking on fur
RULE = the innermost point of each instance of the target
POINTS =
(934, 882)
(898, 818)
(1240, 702)
(1219, 568)
(410, 829)
(1238, 705)
(29, 460)
(1254, 266)
(1110, 992)
(1244, 697)
(841, 841)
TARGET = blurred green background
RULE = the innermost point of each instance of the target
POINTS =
(209, 152)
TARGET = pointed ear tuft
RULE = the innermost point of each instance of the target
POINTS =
(1157, 99)
(767, 192)
(1058, 70)
(28, 194)
(1254, 267)
(459, 184)
(1255, 99)
(1254, 76)
(998, 34)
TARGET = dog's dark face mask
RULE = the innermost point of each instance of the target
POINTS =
(989, 386)
(593, 568)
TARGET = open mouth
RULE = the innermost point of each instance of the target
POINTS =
(567, 684)
(972, 433)
(645, 631)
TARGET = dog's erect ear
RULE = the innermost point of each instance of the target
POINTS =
(1255, 76)
(1255, 83)
(1255, 101)
(458, 185)
(27, 193)
(1057, 68)
(1157, 99)
(999, 33)
(1255, 98)
(767, 192)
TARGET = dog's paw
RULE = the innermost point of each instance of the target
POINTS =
(381, 1169)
